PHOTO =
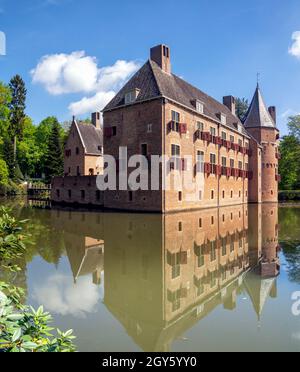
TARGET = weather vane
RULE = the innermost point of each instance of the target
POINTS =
(258, 78)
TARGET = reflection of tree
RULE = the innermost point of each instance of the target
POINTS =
(290, 240)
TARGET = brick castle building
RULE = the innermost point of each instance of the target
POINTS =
(158, 113)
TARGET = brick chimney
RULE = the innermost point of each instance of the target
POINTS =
(229, 101)
(272, 111)
(96, 119)
(161, 55)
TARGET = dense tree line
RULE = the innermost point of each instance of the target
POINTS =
(27, 151)
(289, 165)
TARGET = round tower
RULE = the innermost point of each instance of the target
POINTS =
(260, 122)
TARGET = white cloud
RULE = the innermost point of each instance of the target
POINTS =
(66, 73)
(91, 104)
(60, 296)
(294, 50)
(79, 73)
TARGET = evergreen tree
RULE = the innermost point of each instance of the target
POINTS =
(54, 155)
(242, 106)
(17, 107)
(8, 155)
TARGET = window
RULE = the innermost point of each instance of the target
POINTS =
(180, 226)
(224, 136)
(247, 144)
(78, 171)
(91, 171)
(240, 193)
(77, 151)
(246, 166)
(213, 255)
(166, 51)
(213, 131)
(212, 220)
(232, 139)
(100, 149)
(69, 170)
(231, 244)
(212, 194)
(212, 158)
(240, 142)
(175, 150)
(224, 161)
(70, 194)
(200, 161)
(223, 119)
(131, 96)
(114, 131)
(82, 192)
(231, 195)
(224, 248)
(180, 196)
(231, 163)
(149, 128)
(175, 121)
(200, 223)
(240, 165)
(223, 216)
(200, 195)
(58, 193)
(199, 107)
(176, 258)
(223, 194)
(201, 256)
(200, 126)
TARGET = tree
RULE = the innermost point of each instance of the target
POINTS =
(54, 155)
(29, 151)
(8, 155)
(289, 165)
(5, 99)
(42, 138)
(17, 106)
(3, 172)
(294, 126)
(242, 106)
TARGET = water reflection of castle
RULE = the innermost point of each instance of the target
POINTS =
(165, 273)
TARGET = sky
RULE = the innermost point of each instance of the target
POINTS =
(74, 55)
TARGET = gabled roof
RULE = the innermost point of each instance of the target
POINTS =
(258, 114)
(91, 137)
(153, 83)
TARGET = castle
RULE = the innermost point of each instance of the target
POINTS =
(158, 113)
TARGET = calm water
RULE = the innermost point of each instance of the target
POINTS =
(182, 282)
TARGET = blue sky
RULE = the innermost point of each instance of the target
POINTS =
(216, 45)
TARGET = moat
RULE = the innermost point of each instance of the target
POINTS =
(212, 280)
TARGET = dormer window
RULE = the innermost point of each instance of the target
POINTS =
(223, 119)
(131, 96)
(199, 107)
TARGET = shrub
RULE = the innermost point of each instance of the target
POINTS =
(23, 329)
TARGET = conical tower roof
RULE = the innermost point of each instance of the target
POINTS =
(258, 114)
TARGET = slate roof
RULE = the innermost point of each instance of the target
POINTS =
(258, 114)
(92, 138)
(153, 82)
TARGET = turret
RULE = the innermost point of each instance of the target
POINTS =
(260, 122)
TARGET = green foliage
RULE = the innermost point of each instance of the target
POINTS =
(4, 173)
(54, 155)
(11, 239)
(23, 329)
(289, 165)
(242, 106)
(17, 107)
(294, 126)
(5, 99)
